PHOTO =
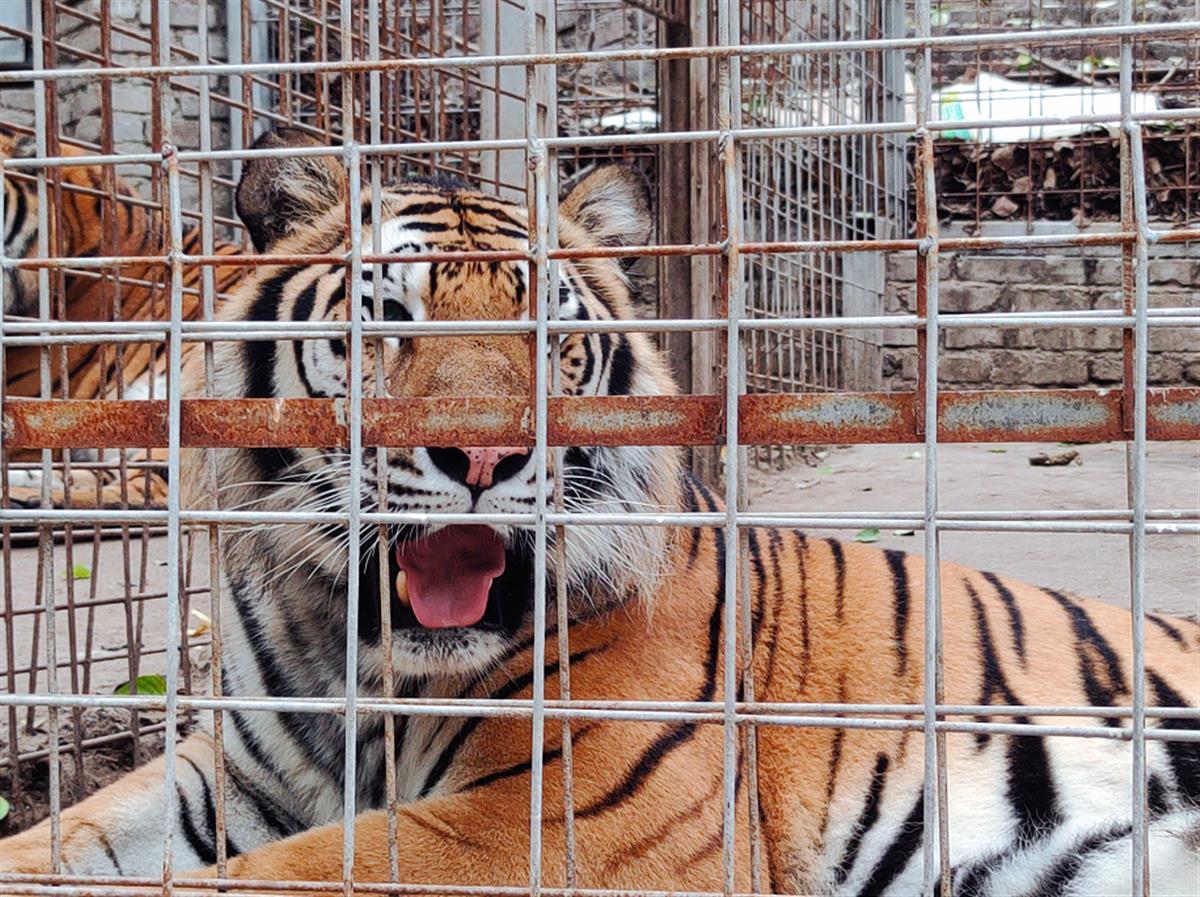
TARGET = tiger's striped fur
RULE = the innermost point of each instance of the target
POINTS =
(839, 808)
(92, 207)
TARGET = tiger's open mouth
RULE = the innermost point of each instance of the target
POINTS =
(460, 577)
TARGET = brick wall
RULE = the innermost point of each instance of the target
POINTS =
(1056, 279)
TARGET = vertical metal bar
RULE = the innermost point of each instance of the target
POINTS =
(45, 531)
(10, 679)
(1135, 182)
(935, 819)
(173, 634)
(538, 201)
(381, 459)
(248, 31)
(770, 159)
(728, 113)
(234, 55)
(109, 247)
(355, 361)
(1127, 224)
(208, 302)
(174, 386)
(349, 794)
(58, 247)
(566, 758)
(1137, 482)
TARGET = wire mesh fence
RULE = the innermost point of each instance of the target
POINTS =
(786, 124)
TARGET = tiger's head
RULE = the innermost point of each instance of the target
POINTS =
(460, 595)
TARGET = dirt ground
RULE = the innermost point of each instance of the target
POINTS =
(868, 478)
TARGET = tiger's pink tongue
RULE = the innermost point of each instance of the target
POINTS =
(450, 573)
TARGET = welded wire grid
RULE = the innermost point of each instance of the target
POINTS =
(828, 187)
(734, 418)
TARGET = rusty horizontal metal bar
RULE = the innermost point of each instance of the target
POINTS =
(811, 418)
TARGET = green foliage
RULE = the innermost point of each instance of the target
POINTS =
(146, 685)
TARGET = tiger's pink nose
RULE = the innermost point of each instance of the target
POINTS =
(482, 463)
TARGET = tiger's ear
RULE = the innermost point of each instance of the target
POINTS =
(278, 196)
(612, 204)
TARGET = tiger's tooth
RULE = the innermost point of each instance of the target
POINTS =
(402, 588)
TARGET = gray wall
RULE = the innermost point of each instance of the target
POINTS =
(1056, 279)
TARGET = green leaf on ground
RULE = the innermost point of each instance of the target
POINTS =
(79, 571)
(146, 685)
(825, 469)
(904, 532)
(997, 450)
(867, 535)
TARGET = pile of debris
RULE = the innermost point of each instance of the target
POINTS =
(1067, 179)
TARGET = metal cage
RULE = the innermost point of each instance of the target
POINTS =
(779, 134)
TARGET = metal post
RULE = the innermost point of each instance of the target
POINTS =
(728, 114)
(1134, 182)
(936, 849)
(45, 534)
(538, 201)
(170, 160)
(354, 520)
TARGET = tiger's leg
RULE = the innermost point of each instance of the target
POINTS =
(482, 839)
(119, 830)
(441, 842)
(650, 830)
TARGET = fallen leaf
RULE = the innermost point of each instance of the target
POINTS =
(904, 532)
(997, 450)
(867, 535)
(824, 470)
(79, 571)
(146, 685)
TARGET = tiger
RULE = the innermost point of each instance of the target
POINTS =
(93, 370)
(840, 809)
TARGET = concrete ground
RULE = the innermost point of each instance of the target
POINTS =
(999, 477)
(98, 577)
(860, 478)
